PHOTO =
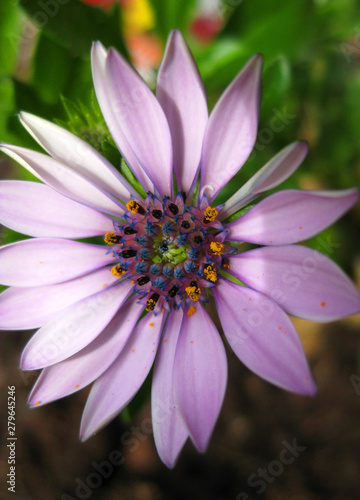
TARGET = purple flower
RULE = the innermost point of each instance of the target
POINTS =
(164, 254)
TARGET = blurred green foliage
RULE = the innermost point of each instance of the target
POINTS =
(311, 77)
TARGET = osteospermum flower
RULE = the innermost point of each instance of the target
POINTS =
(164, 255)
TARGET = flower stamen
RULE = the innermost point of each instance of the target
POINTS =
(117, 271)
(151, 303)
(210, 215)
(193, 291)
(210, 273)
(112, 238)
(135, 208)
(217, 248)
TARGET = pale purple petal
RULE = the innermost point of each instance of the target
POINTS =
(37, 210)
(73, 328)
(28, 308)
(301, 280)
(200, 375)
(232, 128)
(276, 171)
(77, 154)
(112, 392)
(46, 261)
(263, 337)
(169, 430)
(98, 60)
(181, 94)
(64, 180)
(291, 216)
(84, 367)
(142, 121)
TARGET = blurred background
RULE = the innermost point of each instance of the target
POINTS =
(311, 91)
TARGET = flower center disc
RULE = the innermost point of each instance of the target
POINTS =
(172, 252)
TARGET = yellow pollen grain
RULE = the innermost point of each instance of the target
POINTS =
(322, 304)
(150, 305)
(210, 214)
(37, 403)
(117, 271)
(210, 273)
(132, 350)
(76, 386)
(151, 324)
(193, 292)
(191, 311)
(217, 248)
(111, 238)
(165, 340)
(133, 206)
(226, 265)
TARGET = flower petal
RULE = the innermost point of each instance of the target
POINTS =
(72, 151)
(46, 261)
(263, 337)
(36, 210)
(98, 60)
(181, 94)
(200, 375)
(301, 280)
(63, 179)
(276, 171)
(73, 328)
(139, 114)
(28, 308)
(116, 387)
(169, 430)
(291, 216)
(232, 128)
(84, 367)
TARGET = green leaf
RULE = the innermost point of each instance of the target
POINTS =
(129, 176)
(273, 30)
(221, 61)
(276, 83)
(10, 35)
(7, 105)
(76, 25)
(52, 64)
(172, 14)
(238, 214)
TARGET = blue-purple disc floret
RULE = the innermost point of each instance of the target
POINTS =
(171, 251)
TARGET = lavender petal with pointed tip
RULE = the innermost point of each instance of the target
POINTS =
(76, 372)
(232, 129)
(73, 328)
(69, 149)
(200, 375)
(139, 114)
(291, 216)
(28, 308)
(181, 94)
(276, 171)
(169, 429)
(64, 180)
(37, 210)
(115, 388)
(98, 62)
(46, 261)
(304, 282)
(263, 337)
